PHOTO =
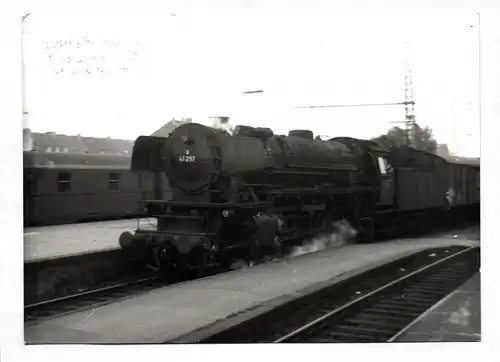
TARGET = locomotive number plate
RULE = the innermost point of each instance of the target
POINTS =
(187, 159)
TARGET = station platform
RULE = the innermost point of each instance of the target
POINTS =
(457, 318)
(170, 312)
(63, 240)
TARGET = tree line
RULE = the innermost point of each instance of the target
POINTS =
(418, 138)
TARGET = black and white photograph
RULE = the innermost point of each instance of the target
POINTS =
(254, 172)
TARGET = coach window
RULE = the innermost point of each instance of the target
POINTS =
(114, 182)
(64, 182)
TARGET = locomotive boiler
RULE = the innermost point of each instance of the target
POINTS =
(246, 195)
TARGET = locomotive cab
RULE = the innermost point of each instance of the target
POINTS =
(377, 170)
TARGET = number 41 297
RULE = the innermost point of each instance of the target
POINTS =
(187, 159)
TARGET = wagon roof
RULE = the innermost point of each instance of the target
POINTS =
(469, 161)
(405, 156)
(77, 160)
(371, 145)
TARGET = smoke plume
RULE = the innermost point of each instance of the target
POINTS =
(222, 123)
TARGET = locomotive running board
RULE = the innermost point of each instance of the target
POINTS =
(246, 205)
(316, 190)
(175, 233)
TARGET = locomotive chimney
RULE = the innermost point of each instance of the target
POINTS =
(304, 133)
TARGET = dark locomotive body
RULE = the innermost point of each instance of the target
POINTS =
(254, 193)
(62, 188)
(248, 194)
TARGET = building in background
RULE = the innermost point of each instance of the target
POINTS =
(53, 142)
(166, 129)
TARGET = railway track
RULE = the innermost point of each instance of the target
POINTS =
(376, 306)
(97, 297)
(93, 298)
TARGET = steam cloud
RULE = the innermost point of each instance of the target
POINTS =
(343, 233)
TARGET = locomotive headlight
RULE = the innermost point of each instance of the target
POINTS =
(227, 213)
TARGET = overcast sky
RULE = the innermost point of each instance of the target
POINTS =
(125, 71)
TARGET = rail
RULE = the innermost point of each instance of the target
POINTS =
(92, 298)
(392, 308)
(377, 305)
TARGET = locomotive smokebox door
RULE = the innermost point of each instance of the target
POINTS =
(192, 157)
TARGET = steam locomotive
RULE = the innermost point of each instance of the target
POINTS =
(254, 193)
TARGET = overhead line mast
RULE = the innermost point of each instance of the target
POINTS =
(409, 96)
(409, 101)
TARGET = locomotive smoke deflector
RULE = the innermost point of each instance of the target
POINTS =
(149, 154)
